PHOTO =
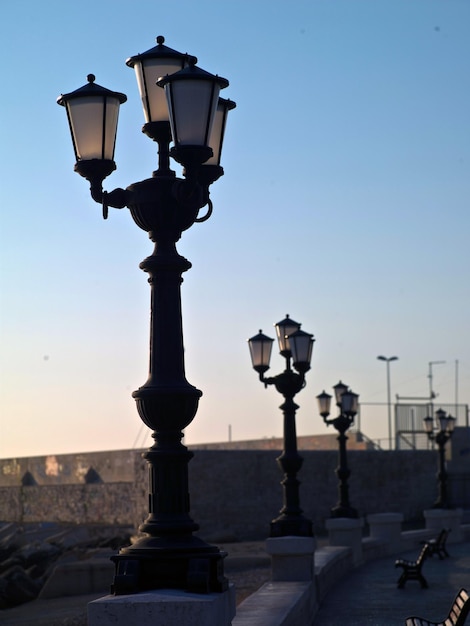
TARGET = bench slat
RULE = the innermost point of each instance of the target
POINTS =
(457, 614)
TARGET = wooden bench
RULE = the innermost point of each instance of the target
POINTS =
(412, 569)
(438, 545)
(457, 615)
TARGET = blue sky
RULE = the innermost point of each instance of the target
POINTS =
(345, 203)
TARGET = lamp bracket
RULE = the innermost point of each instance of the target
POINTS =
(342, 422)
(205, 217)
(288, 383)
(117, 199)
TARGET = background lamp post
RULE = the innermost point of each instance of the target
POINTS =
(445, 427)
(389, 402)
(296, 347)
(347, 403)
(168, 554)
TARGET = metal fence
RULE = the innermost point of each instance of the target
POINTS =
(409, 428)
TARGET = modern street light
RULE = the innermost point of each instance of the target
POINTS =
(296, 347)
(181, 104)
(389, 402)
(347, 403)
(445, 425)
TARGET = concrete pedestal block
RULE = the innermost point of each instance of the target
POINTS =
(164, 607)
(345, 531)
(437, 519)
(291, 558)
(386, 527)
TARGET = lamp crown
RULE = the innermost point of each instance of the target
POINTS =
(90, 89)
(194, 72)
(160, 51)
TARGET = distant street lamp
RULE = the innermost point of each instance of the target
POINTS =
(445, 428)
(389, 402)
(181, 104)
(347, 403)
(294, 345)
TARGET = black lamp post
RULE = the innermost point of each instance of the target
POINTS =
(347, 402)
(183, 106)
(295, 345)
(445, 428)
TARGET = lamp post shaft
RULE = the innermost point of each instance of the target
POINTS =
(166, 356)
(389, 406)
(343, 508)
(442, 501)
(168, 555)
(169, 497)
(290, 521)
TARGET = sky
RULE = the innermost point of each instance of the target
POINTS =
(345, 203)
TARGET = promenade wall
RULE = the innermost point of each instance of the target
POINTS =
(234, 493)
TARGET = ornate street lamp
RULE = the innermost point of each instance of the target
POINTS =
(180, 104)
(295, 346)
(445, 427)
(347, 403)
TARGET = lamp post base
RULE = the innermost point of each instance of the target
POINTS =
(191, 565)
(344, 511)
(291, 527)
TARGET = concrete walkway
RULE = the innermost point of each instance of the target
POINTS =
(366, 596)
(369, 595)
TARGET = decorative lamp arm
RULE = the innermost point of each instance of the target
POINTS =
(118, 198)
(271, 380)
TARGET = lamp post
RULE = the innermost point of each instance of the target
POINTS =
(389, 402)
(347, 403)
(445, 427)
(181, 103)
(296, 347)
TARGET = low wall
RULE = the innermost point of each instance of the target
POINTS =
(239, 492)
(234, 494)
(108, 504)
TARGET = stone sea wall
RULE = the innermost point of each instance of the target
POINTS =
(234, 493)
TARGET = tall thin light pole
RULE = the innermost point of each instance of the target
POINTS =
(389, 402)
(432, 395)
(457, 388)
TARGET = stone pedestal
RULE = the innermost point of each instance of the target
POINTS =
(291, 558)
(164, 607)
(386, 528)
(437, 519)
(345, 531)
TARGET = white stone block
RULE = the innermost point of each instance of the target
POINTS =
(437, 519)
(386, 527)
(291, 558)
(164, 607)
(345, 531)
